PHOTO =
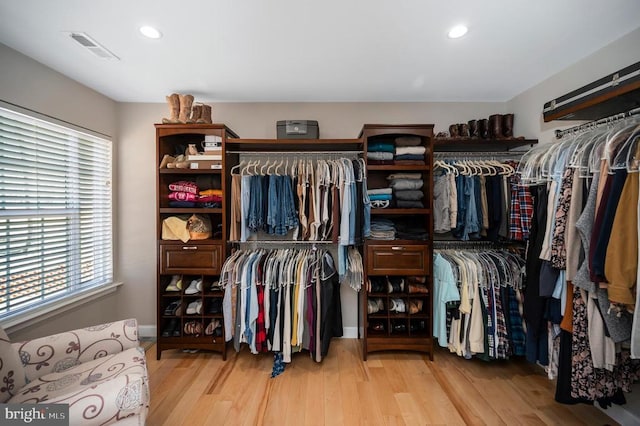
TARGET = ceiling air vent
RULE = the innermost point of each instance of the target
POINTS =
(93, 46)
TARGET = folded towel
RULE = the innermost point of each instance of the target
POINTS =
(376, 197)
(409, 157)
(380, 147)
(409, 195)
(419, 150)
(404, 204)
(382, 191)
(408, 141)
(380, 155)
(405, 184)
(404, 176)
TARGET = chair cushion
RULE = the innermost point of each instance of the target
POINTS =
(98, 391)
(12, 375)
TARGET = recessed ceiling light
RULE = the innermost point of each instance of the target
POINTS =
(150, 32)
(458, 31)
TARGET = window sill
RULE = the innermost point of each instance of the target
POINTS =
(27, 319)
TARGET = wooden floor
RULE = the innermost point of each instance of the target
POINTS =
(393, 388)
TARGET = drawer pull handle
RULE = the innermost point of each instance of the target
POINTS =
(397, 248)
(189, 248)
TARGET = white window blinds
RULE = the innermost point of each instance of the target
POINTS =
(55, 212)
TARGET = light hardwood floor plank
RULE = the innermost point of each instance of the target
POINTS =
(391, 388)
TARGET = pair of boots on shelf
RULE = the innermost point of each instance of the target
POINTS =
(498, 126)
(182, 110)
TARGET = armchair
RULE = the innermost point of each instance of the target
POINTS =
(99, 371)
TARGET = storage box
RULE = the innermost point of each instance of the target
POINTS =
(297, 129)
(206, 164)
(616, 93)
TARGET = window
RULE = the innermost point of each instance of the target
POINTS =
(55, 212)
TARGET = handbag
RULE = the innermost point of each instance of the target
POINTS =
(199, 227)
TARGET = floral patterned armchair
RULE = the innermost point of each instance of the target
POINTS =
(100, 372)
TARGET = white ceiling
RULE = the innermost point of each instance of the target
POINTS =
(316, 50)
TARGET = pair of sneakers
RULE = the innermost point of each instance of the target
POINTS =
(176, 284)
(214, 327)
(194, 307)
(375, 305)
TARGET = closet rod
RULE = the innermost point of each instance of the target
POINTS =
(442, 244)
(298, 153)
(593, 124)
(281, 242)
(479, 155)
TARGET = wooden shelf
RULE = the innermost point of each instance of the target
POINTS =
(398, 167)
(479, 145)
(189, 171)
(400, 211)
(185, 210)
(269, 145)
(193, 129)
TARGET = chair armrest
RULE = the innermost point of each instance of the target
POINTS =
(61, 351)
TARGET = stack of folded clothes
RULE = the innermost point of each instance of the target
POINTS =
(407, 190)
(380, 197)
(382, 229)
(411, 231)
(409, 150)
(186, 194)
(210, 198)
(183, 194)
(380, 153)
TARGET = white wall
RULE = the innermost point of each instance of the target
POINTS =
(527, 106)
(29, 84)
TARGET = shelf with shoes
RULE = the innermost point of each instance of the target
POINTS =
(191, 225)
(399, 169)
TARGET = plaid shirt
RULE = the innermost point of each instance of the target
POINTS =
(521, 210)
(516, 329)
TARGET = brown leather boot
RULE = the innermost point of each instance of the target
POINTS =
(473, 129)
(205, 116)
(196, 112)
(507, 125)
(453, 131)
(174, 109)
(463, 129)
(185, 108)
(483, 128)
(495, 126)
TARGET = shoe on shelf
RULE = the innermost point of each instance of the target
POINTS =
(195, 287)
(215, 286)
(212, 326)
(415, 306)
(399, 327)
(172, 308)
(175, 284)
(216, 306)
(170, 328)
(377, 326)
(194, 307)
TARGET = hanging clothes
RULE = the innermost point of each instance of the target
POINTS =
(282, 300)
(582, 263)
(487, 322)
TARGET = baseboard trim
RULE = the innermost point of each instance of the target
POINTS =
(146, 331)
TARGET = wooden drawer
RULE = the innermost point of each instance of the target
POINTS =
(191, 259)
(400, 259)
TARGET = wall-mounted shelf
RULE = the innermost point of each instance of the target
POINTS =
(480, 145)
